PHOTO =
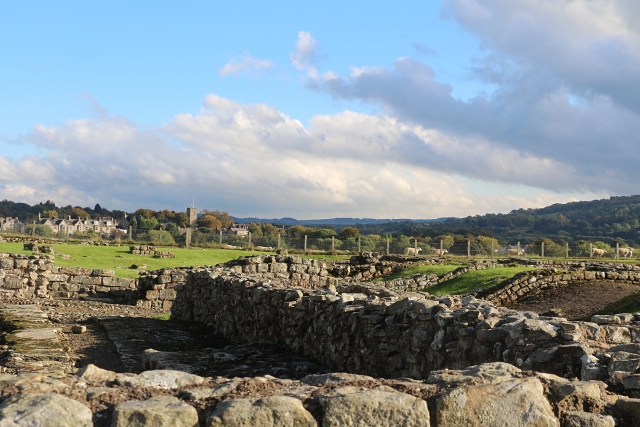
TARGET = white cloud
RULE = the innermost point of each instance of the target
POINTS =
(254, 160)
(245, 65)
(304, 57)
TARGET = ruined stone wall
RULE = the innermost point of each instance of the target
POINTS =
(528, 283)
(35, 276)
(372, 330)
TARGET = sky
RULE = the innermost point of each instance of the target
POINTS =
(407, 109)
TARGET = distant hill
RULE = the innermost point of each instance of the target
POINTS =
(609, 219)
(339, 222)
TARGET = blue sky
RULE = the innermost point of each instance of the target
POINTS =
(368, 109)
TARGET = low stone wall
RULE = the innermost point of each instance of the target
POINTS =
(29, 276)
(372, 330)
(530, 283)
(142, 249)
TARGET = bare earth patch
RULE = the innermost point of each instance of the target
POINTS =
(577, 300)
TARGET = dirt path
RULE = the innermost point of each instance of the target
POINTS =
(577, 300)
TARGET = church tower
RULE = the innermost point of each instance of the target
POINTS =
(192, 213)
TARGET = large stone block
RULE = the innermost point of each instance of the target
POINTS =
(517, 402)
(159, 411)
(351, 406)
(275, 411)
(51, 410)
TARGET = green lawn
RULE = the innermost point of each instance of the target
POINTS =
(119, 259)
(438, 269)
(475, 280)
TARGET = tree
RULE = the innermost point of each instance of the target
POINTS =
(209, 221)
(50, 214)
(255, 229)
(348, 232)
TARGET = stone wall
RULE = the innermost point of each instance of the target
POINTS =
(372, 330)
(531, 282)
(35, 276)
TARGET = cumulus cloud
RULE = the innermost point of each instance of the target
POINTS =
(304, 57)
(253, 159)
(567, 99)
(245, 65)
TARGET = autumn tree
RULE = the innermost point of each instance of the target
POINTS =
(209, 221)
(348, 232)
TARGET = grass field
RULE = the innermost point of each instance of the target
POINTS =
(475, 280)
(438, 269)
(119, 259)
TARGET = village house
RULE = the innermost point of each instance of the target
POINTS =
(10, 224)
(71, 226)
(237, 230)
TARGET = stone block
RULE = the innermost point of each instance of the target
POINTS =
(155, 412)
(351, 406)
(51, 410)
(274, 411)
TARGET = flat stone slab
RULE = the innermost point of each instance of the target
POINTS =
(39, 334)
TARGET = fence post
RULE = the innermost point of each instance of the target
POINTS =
(359, 245)
(542, 253)
(278, 241)
(305, 244)
(187, 239)
(590, 250)
(220, 237)
(33, 230)
(333, 244)
(415, 246)
(387, 246)
(518, 249)
(468, 248)
(130, 232)
(491, 255)
(566, 254)
(617, 249)
(441, 248)
(249, 244)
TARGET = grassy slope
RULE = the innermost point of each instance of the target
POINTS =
(475, 280)
(119, 259)
(628, 304)
(421, 269)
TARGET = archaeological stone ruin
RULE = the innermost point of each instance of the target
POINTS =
(283, 340)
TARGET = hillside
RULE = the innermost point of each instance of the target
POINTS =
(605, 219)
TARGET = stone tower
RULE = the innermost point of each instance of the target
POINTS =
(192, 213)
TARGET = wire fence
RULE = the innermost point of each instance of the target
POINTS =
(391, 245)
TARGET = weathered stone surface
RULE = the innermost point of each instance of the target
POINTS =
(50, 410)
(586, 419)
(162, 378)
(334, 378)
(517, 402)
(93, 373)
(350, 406)
(275, 411)
(485, 373)
(159, 411)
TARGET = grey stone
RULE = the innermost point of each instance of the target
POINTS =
(334, 378)
(484, 373)
(517, 402)
(50, 410)
(586, 419)
(161, 378)
(159, 411)
(350, 406)
(274, 411)
(93, 373)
